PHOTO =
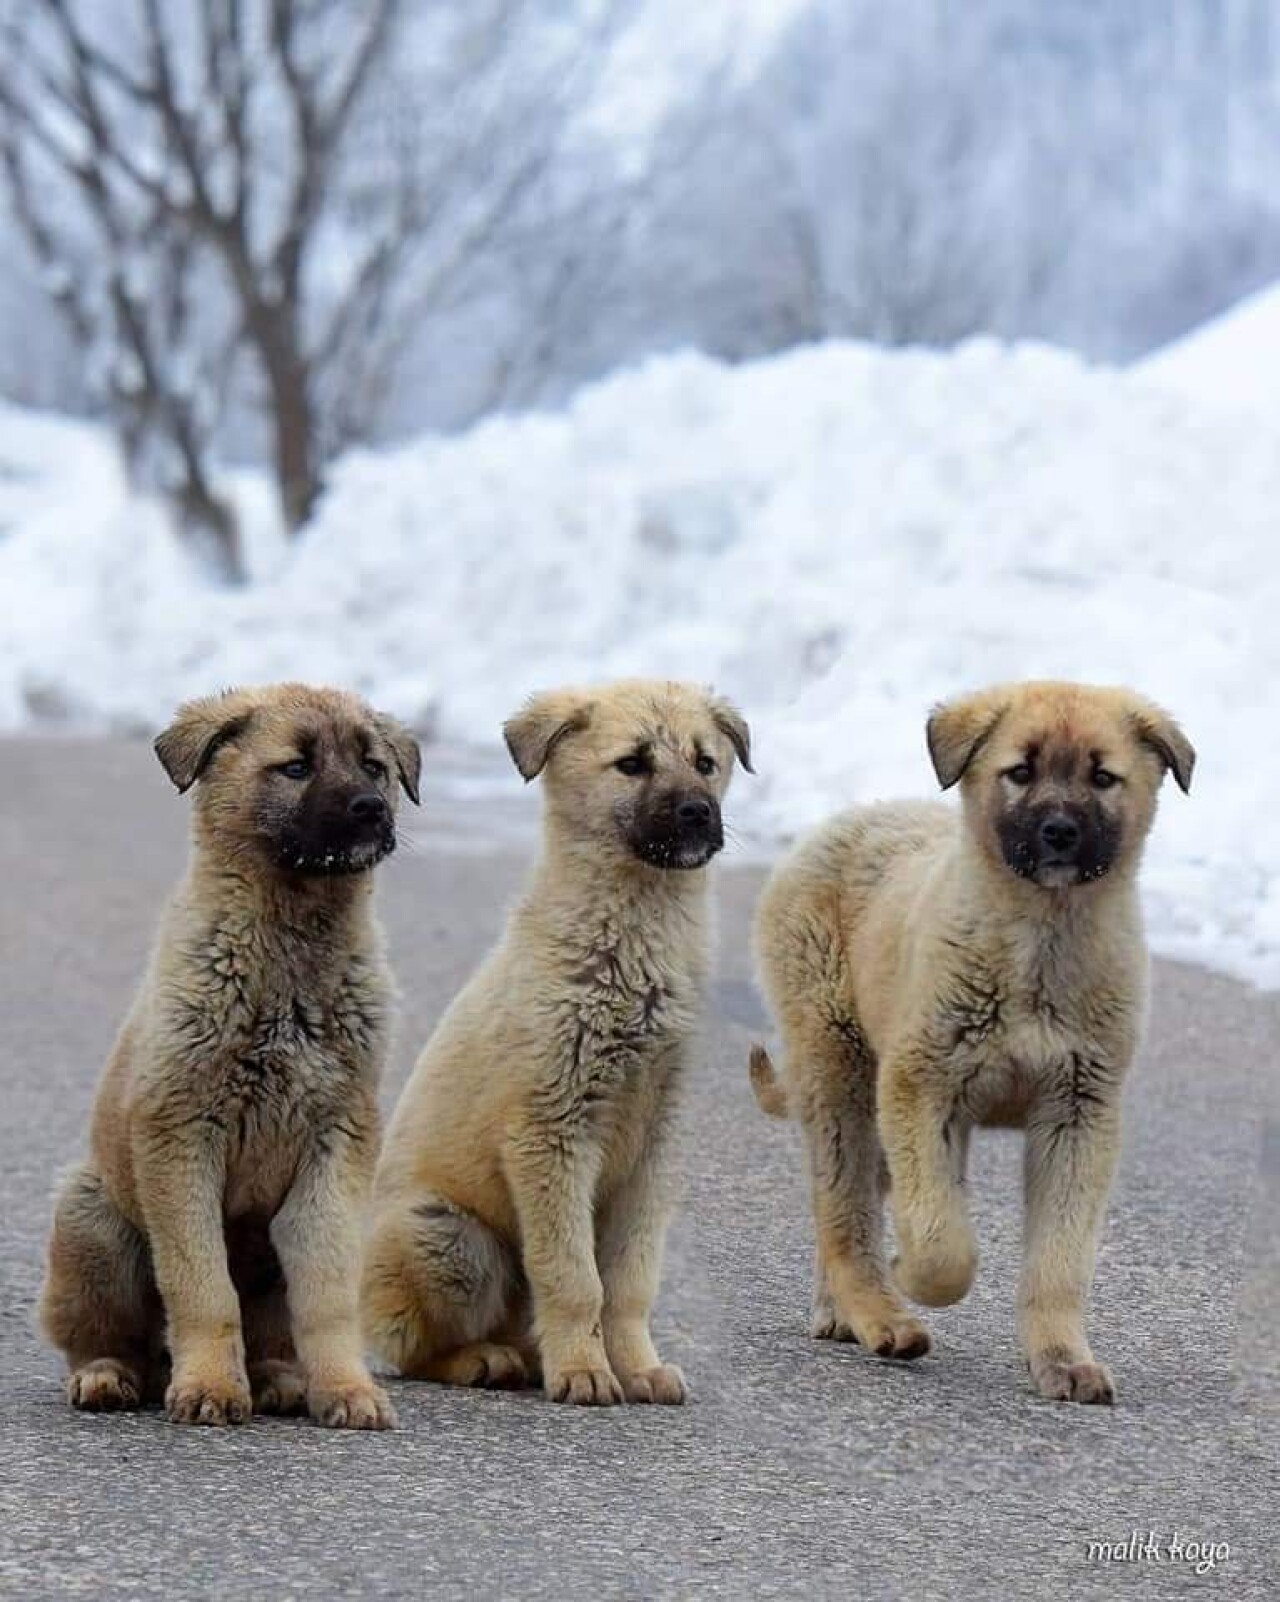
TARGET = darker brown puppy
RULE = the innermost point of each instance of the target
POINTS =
(215, 1227)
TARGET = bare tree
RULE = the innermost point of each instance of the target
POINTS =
(212, 180)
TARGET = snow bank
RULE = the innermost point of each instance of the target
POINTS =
(1233, 360)
(838, 537)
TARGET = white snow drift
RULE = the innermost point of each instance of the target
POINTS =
(1229, 361)
(838, 537)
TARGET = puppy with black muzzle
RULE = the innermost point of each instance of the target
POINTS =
(932, 971)
(520, 1203)
(212, 1239)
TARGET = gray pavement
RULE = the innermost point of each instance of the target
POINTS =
(799, 1469)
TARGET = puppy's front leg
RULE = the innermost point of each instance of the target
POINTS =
(180, 1174)
(553, 1174)
(937, 1254)
(317, 1235)
(632, 1231)
(1070, 1157)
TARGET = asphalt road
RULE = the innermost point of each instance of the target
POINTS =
(799, 1469)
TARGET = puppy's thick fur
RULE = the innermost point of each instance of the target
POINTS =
(236, 1126)
(520, 1203)
(934, 970)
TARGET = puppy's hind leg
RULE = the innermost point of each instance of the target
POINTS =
(99, 1303)
(440, 1292)
(853, 1294)
(277, 1380)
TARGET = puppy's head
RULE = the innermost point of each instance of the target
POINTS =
(293, 779)
(1059, 781)
(639, 766)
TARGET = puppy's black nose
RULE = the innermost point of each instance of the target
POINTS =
(693, 814)
(368, 806)
(1059, 833)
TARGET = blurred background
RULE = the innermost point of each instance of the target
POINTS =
(843, 352)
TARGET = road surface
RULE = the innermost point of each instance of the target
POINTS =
(800, 1469)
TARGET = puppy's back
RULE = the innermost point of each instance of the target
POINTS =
(818, 896)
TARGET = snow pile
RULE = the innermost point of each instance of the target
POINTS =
(1230, 361)
(838, 537)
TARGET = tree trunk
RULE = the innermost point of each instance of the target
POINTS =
(209, 527)
(204, 521)
(296, 469)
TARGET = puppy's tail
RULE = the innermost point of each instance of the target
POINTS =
(770, 1091)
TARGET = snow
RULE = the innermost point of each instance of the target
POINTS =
(1230, 360)
(837, 537)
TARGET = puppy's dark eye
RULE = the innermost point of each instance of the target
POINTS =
(1103, 778)
(633, 766)
(299, 768)
(374, 768)
(1019, 774)
(705, 764)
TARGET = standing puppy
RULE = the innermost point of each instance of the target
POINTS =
(236, 1127)
(933, 970)
(525, 1160)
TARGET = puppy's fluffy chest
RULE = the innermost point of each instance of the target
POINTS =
(1021, 1025)
(269, 1033)
(626, 1000)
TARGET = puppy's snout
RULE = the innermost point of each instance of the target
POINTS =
(367, 807)
(1060, 834)
(694, 813)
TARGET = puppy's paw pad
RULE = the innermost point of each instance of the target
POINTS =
(217, 1402)
(278, 1387)
(1075, 1382)
(104, 1386)
(352, 1407)
(585, 1387)
(664, 1385)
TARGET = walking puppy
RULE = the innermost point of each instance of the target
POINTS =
(521, 1191)
(933, 970)
(236, 1126)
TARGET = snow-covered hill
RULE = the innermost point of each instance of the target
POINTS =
(838, 537)
(1231, 360)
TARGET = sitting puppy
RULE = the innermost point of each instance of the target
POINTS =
(525, 1159)
(932, 970)
(236, 1126)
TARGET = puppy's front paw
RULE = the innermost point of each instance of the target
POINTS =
(208, 1401)
(663, 1384)
(104, 1386)
(363, 1406)
(1061, 1380)
(584, 1387)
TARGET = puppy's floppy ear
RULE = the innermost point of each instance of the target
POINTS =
(405, 749)
(957, 731)
(535, 731)
(1162, 734)
(187, 746)
(733, 726)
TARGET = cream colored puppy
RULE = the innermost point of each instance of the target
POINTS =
(933, 970)
(520, 1203)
